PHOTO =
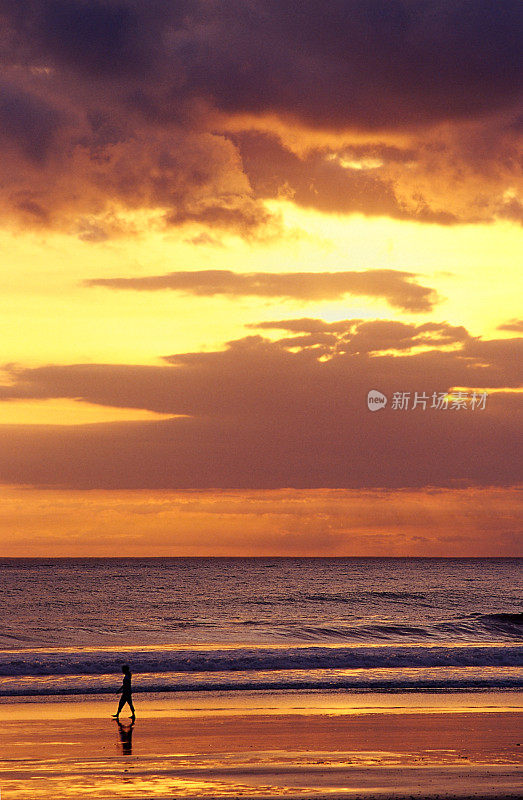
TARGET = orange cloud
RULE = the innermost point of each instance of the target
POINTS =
(264, 414)
(395, 286)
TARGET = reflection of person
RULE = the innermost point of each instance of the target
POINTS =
(126, 692)
(126, 737)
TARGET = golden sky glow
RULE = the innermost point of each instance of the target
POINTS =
(49, 317)
(284, 522)
(344, 230)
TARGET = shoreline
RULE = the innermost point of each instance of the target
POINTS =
(213, 703)
(293, 745)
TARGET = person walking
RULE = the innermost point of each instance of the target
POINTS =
(126, 693)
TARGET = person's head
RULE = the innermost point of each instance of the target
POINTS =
(125, 668)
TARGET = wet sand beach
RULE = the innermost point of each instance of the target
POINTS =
(265, 745)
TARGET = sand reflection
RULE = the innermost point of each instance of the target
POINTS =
(126, 737)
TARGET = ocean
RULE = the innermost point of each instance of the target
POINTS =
(258, 624)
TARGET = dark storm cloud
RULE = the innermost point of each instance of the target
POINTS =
(104, 38)
(142, 81)
(398, 288)
(361, 62)
(262, 414)
(367, 63)
(28, 122)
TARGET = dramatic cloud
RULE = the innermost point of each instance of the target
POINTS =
(171, 127)
(398, 288)
(92, 190)
(123, 105)
(356, 62)
(452, 177)
(369, 63)
(355, 181)
(263, 414)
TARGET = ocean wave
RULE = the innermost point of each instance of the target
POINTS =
(504, 619)
(476, 626)
(58, 661)
(506, 625)
(341, 628)
(350, 597)
(384, 680)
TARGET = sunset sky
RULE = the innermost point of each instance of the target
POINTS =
(222, 224)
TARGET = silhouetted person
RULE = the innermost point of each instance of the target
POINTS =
(126, 737)
(126, 692)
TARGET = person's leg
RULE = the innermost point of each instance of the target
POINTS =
(127, 698)
(120, 706)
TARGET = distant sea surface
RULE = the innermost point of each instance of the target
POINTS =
(228, 624)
